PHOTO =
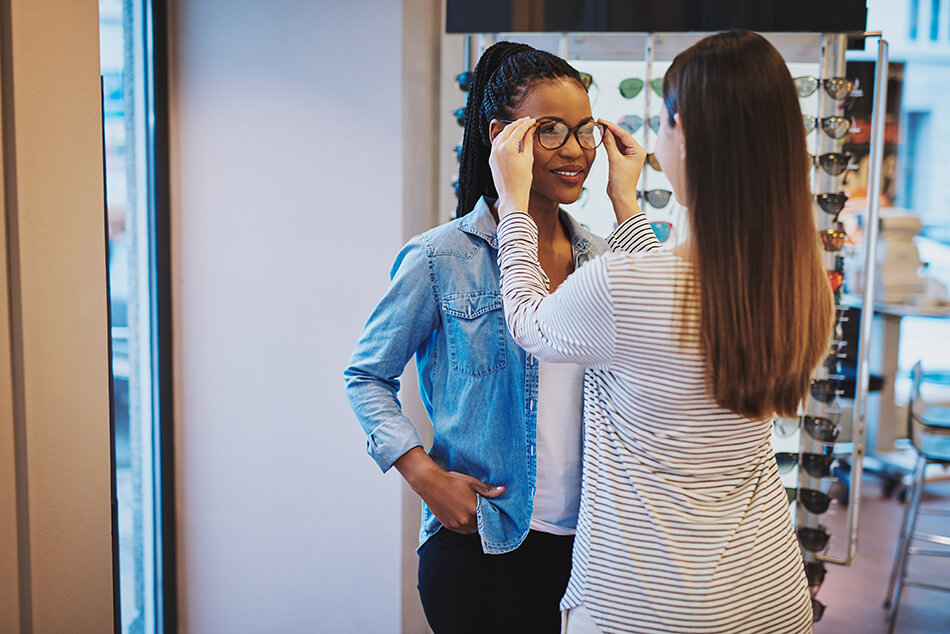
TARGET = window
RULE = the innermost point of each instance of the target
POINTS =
(133, 120)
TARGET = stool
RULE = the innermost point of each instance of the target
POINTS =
(928, 428)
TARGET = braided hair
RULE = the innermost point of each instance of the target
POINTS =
(502, 76)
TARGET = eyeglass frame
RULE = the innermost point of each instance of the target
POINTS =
(602, 126)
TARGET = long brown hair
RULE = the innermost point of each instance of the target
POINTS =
(766, 303)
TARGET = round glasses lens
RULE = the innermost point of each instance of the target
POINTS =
(631, 87)
(838, 87)
(631, 123)
(815, 501)
(552, 134)
(810, 122)
(806, 86)
(820, 428)
(836, 127)
(834, 162)
(590, 135)
(661, 229)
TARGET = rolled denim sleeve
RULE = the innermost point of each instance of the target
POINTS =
(402, 321)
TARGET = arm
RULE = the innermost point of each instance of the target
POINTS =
(404, 318)
(633, 235)
(575, 323)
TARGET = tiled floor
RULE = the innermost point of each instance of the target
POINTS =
(854, 595)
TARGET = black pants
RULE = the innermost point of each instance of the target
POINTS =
(464, 590)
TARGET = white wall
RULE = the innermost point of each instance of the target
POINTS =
(287, 168)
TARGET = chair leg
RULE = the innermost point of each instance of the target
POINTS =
(899, 571)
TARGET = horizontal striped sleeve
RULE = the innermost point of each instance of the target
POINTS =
(634, 235)
(572, 325)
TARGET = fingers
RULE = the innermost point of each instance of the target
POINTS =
(622, 140)
(486, 490)
(515, 132)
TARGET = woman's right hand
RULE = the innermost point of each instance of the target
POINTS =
(451, 496)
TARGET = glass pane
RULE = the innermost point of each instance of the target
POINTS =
(123, 58)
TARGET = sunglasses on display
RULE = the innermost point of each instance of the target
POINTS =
(835, 127)
(832, 204)
(658, 198)
(816, 465)
(633, 122)
(833, 362)
(817, 610)
(835, 87)
(460, 116)
(813, 539)
(552, 134)
(833, 239)
(654, 162)
(833, 163)
(662, 229)
(815, 573)
(821, 428)
(465, 80)
(633, 86)
(814, 501)
(825, 390)
(587, 80)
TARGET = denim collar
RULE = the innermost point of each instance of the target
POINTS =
(480, 222)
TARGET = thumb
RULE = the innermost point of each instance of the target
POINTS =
(487, 490)
(610, 142)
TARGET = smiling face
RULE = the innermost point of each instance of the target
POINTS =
(558, 175)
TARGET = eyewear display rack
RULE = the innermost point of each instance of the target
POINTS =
(622, 69)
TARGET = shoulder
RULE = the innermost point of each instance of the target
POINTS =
(455, 238)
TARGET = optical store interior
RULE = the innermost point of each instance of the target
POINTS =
(219, 218)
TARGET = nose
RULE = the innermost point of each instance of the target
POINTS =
(572, 147)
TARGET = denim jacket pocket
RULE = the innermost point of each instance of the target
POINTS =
(476, 332)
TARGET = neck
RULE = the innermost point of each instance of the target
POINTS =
(544, 212)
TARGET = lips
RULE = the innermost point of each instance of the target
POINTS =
(570, 174)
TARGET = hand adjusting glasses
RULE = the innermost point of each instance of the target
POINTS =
(551, 134)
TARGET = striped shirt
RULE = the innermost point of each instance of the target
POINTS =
(684, 524)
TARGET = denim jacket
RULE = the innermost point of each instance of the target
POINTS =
(479, 388)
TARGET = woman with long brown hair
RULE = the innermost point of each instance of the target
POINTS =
(684, 523)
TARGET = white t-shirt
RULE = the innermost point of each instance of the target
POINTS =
(558, 483)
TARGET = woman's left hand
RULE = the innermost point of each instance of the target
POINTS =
(625, 159)
(511, 161)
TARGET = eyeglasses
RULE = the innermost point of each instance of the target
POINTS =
(835, 87)
(817, 610)
(633, 122)
(631, 87)
(816, 465)
(834, 127)
(658, 198)
(833, 239)
(785, 427)
(832, 204)
(836, 279)
(552, 134)
(825, 390)
(460, 116)
(662, 229)
(815, 573)
(654, 162)
(465, 80)
(587, 80)
(813, 539)
(834, 163)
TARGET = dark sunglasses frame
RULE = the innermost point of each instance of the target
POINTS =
(658, 198)
(816, 465)
(832, 203)
(813, 539)
(825, 390)
(833, 163)
(821, 428)
(835, 87)
(834, 127)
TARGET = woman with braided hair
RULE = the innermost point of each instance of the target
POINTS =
(501, 483)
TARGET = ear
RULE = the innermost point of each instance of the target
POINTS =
(494, 129)
(680, 134)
